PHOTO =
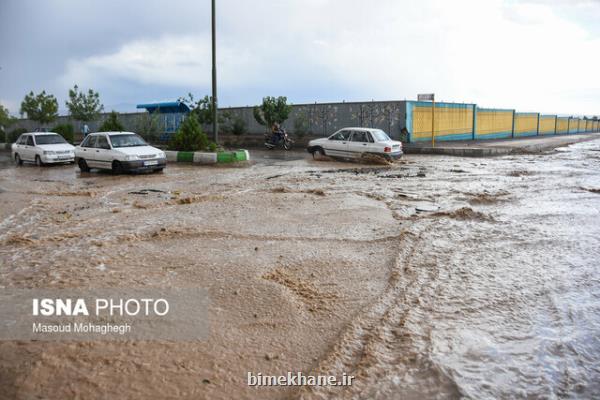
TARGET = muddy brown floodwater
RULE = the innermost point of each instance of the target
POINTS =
(435, 277)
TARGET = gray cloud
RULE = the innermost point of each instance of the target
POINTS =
(497, 53)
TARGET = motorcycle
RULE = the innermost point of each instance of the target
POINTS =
(283, 139)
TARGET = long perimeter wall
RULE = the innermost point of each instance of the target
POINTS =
(409, 121)
(452, 121)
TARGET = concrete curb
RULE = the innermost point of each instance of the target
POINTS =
(197, 157)
(512, 146)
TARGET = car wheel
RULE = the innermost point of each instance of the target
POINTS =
(38, 161)
(318, 151)
(83, 167)
(18, 160)
(117, 167)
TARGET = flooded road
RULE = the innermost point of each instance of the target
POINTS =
(499, 296)
(435, 277)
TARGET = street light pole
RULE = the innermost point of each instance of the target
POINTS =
(214, 78)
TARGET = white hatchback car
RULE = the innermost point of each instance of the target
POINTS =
(42, 148)
(119, 152)
(357, 143)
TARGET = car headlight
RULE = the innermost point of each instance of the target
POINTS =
(162, 155)
(49, 153)
(131, 158)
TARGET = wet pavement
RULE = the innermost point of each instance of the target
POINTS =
(498, 147)
(434, 277)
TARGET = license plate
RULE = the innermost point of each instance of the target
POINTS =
(65, 158)
(146, 163)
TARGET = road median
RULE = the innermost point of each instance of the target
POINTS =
(207, 158)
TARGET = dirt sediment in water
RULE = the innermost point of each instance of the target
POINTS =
(280, 286)
(464, 213)
(315, 299)
(405, 276)
(488, 198)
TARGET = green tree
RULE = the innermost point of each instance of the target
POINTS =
(273, 109)
(42, 107)
(5, 118)
(5, 121)
(203, 110)
(112, 124)
(190, 137)
(84, 106)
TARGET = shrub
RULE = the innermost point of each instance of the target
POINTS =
(66, 131)
(112, 124)
(190, 137)
(15, 133)
(238, 127)
(404, 135)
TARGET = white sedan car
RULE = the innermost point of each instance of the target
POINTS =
(357, 143)
(42, 148)
(119, 152)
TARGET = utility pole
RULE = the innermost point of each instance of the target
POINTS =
(214, 78)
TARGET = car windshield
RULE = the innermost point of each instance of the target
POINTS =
(49, 139)
(379, 135)
(127, 141)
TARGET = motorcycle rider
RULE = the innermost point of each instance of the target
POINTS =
(276, 133)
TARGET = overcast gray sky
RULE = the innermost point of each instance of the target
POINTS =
(533, 55)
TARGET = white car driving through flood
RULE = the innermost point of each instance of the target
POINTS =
(357, 143)
(42, 148)
(119, 152)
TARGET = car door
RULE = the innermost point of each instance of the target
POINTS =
(103, 152)
(337, 145)
(88, 151)
(20, 145)
(372, 146)
(29, 149)
(358, 144)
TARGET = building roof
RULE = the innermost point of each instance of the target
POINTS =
(165, 107)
